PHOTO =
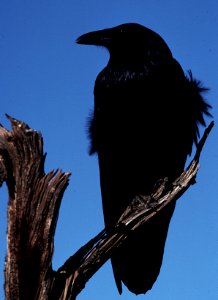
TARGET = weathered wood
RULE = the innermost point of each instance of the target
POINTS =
(100, 249)
(34, 202)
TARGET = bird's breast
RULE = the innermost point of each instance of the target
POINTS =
(138, 120)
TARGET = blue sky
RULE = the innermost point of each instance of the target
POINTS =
(47, 81)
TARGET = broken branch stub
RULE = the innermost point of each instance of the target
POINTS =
(34, 201)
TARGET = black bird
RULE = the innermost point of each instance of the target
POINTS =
(145, 121)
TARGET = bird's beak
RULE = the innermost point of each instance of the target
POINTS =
(98, 38)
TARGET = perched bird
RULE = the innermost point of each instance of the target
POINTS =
(145, 121)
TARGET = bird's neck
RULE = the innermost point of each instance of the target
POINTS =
(122, 59)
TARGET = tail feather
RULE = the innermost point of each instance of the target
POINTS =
(138, 261)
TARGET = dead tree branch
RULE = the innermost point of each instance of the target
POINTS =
(34, 202)
(100, 249)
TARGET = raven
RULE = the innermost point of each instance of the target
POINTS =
(145, 121)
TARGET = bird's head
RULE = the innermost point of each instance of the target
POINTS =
(128, 41)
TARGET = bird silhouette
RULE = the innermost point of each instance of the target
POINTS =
(146, 118)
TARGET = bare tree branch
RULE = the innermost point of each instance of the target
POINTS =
(137, 213)
(34, 202)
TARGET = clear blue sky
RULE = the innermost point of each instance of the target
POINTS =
(47, 81)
